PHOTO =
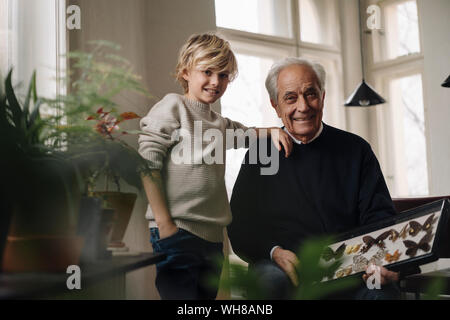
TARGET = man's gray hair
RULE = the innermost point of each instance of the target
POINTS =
(272, 77)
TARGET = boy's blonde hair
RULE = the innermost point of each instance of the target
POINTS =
(206, 51)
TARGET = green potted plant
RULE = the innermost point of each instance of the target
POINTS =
(39, 188)
(92, 133)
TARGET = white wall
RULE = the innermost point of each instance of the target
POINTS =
(435, 25)
(150, 33)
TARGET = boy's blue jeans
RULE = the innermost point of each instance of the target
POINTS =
(191, 269)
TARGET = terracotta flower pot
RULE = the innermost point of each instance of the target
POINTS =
(41, 253)
(123, 204)
(5, 218)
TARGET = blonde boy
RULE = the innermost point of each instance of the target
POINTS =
(188, 204)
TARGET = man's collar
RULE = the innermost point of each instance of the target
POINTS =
(314, 138)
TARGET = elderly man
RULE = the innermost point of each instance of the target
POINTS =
(331, 183)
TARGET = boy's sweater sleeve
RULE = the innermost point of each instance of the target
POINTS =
(240, 138)
(159, 125)
(230, 124)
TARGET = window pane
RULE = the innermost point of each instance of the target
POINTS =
(402, 30)
(4, 37)
(31, 44)
(409, 136)
(271, 17)
(318, 21)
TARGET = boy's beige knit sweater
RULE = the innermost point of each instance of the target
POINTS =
(196, 195)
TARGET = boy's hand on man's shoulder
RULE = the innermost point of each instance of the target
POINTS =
(281, 138)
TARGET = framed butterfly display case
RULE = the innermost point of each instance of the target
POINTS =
(409, 239)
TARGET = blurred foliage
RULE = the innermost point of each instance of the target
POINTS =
(310, 273)
(244, 282)
(435, 288)
(239, 280)
(29, 159)
(59, 151)
(98, 78)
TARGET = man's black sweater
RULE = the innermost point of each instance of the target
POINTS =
(328, 186)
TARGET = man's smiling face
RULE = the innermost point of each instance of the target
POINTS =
(300, 101)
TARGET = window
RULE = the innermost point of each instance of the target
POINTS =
(318, 21)
(270, 17)
(400, 36)
(408, 138)
(4, 37)
(396, 68)
(262, 32)
(403, 26)
(32, 35)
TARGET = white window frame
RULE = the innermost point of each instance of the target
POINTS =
(378, 34)
(380, 74)
(330, 54)
(25, 60)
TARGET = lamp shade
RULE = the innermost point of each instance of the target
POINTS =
(364, 96)
(446, 82)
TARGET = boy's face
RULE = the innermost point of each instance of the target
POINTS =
(205, 86)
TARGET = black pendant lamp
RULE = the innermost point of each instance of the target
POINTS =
(364, 95)
(446, 82)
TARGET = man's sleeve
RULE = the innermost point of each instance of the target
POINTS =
(249, 231)
(375, 202)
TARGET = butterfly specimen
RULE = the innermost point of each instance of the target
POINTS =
(352, 249)
(329, 254)
(392, 257)
(339, 273)
(360, 263)
(415, 227)
(378, 257)
(404, 232)
(348, 270)
(379, 241)
(344, 271)
(393, 235)
(422, 245)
